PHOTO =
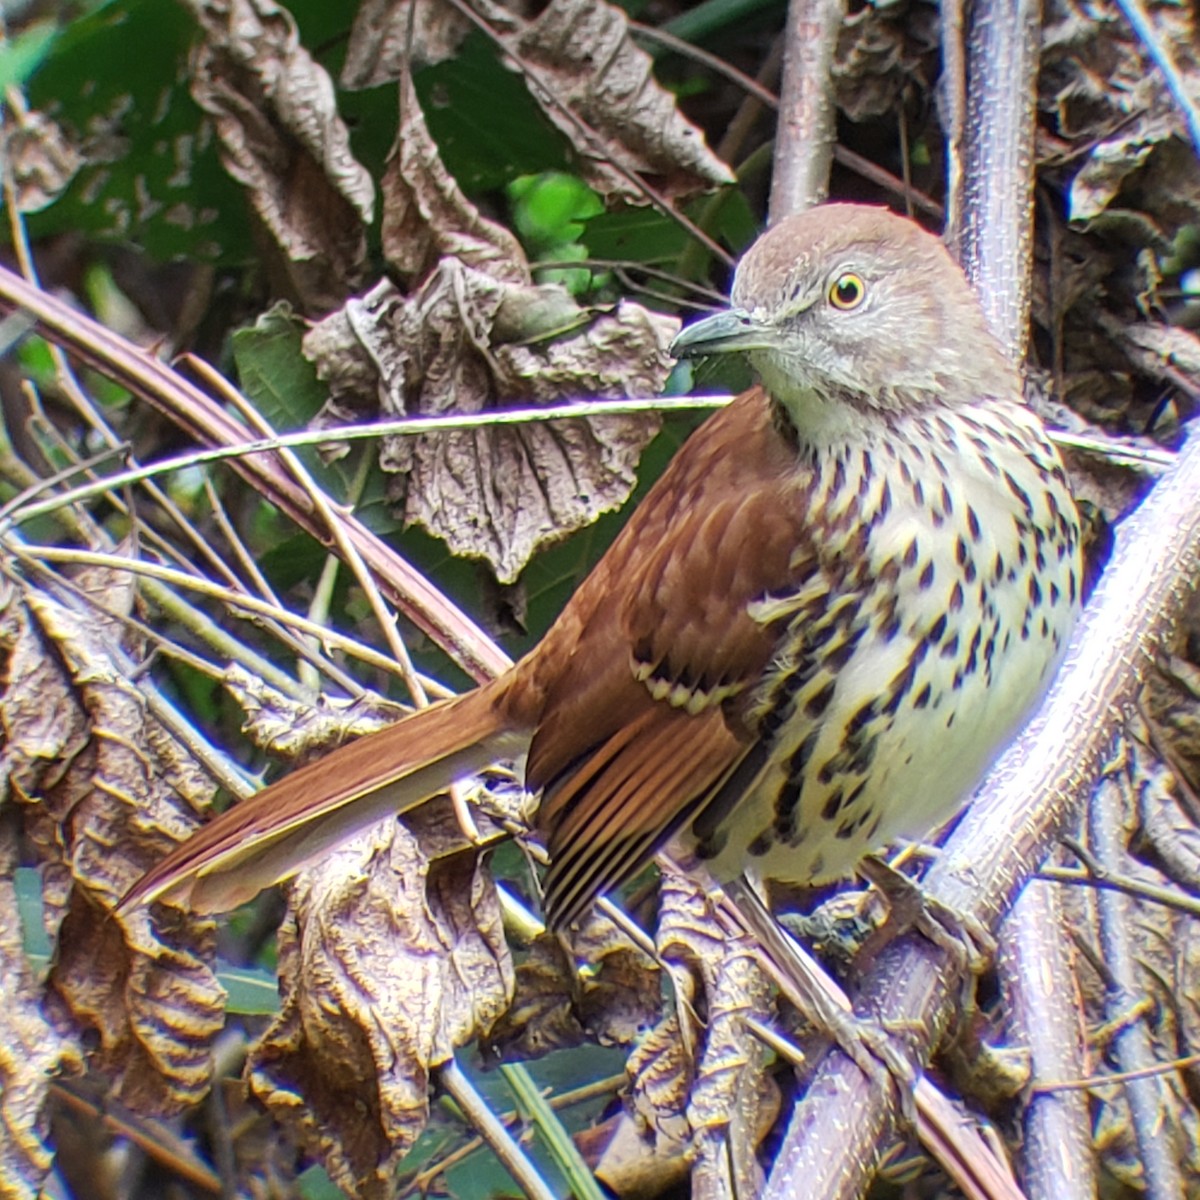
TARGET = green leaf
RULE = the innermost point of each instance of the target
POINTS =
(251, 992)
(283, 385)
(116, 79)
(639, 234)
(487, 126)
(21, 56)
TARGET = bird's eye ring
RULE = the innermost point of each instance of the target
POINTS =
(847, 291)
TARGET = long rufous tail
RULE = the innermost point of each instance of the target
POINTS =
(296, 821)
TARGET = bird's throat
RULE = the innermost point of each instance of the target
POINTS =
(815, 420)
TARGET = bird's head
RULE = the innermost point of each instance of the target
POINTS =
(850, 313)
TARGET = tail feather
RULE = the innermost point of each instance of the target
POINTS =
(292, 823)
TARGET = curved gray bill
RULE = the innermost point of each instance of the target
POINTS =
(721, 333)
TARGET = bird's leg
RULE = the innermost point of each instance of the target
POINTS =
(868, 1045)
(910, 907)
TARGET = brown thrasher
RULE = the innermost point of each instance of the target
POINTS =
(822, 623)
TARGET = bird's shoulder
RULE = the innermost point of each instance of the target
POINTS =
(666, 616)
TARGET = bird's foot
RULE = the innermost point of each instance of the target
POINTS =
(960, 934)
(871, 1046)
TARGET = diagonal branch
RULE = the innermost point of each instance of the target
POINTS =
(192, 410)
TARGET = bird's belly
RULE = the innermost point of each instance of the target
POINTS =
(893, 739)
(924, 763)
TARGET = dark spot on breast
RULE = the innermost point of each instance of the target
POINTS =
(819, 701)
(911, 554)
(921, 699)
(956, 598)
(712, 845)
(947, 500)
(969, 571)
(833, 805)
(973, 527)
(918, 494)
(785, 809)
(862, 718)
(840, 655)
(839, 474)
(798, 763)
(950, 649)
(1071, 586)
(926, 578)
(936, 630)
(1035, 591)
(998, 568)
(960, 551)
(866, 475)
(761, 844)
(844, 832)
(885, 501)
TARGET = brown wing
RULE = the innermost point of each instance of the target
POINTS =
(646, 662)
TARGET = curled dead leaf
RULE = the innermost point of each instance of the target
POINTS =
(581, 66)
(495, 493)
(291, 728)
(283, 139)
(102, 790)
(598, 87)
(32, 1051)
(390, 957)
(426, 215)
(386, 31)
(556, 1006)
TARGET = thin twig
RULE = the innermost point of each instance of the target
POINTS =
(516, 1162)
(1159, 1149)
(806, 131)
(1137, 16)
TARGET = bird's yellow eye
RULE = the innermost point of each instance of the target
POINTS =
(847, 291)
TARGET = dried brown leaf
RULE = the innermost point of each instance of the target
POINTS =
(292, 728)
(555, 1006)
(621, 992)
(392, 955)
(501, 493)
(32, 1051)
(380, 39)
(580, 65)
(1111, 103)
(103, 790)
(283, 140)
(660, 1071)
(598, 87)
(426, 216)
(543, 1015)
(883, 53)
(40, 156)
